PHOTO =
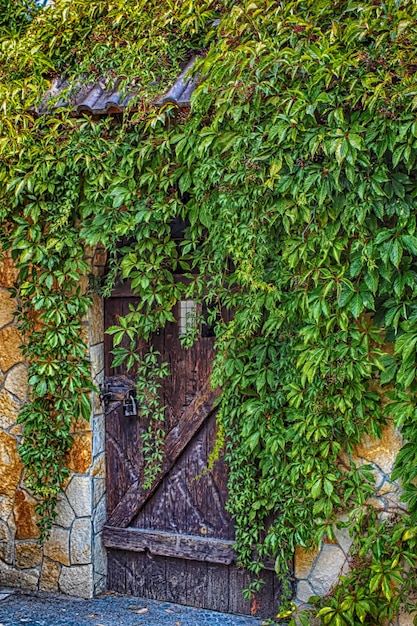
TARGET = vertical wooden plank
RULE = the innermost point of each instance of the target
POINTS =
(219, 522)
(155, 577)
(238, 580)
(176, 498)
(217, 596)
(176, 577)
(265, 598)
(152, 516)
(196, 501)
(196, 584)
(193, 381)
(277, 594)
(115, 307)
(116, 571)
(123, 458)
(175, 383)
(140, 574)
(129, 573)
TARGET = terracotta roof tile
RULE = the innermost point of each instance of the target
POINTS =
(97, 99)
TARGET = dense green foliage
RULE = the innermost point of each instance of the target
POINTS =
(295, 171)
(15, 15)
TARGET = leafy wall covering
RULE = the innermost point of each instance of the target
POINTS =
(294, 170)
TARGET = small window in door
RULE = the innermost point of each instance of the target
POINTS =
(188, 316)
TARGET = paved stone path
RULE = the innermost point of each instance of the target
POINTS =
(18, 608)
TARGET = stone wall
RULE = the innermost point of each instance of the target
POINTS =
(73, 559)
(317, 571)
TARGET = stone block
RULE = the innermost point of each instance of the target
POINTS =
(84, 332)
(7, 551)
(77, 581)
(28, 555)
(81, 425)
(10, 465)
(50, 574)
(29, 579)
(10, 354)
(379, 477)
(17, 382)
(8, 271)
(24, 515)
(99, 489)
(99, 556)
(16, 430)
(7, 308)
(96, 399)
(100, 257)
(303, 561)
(6, 508)
(405, 619)
(57, 546)
(96, 320)
(65, 514)
(80, 542)
(377, 503)
(388, 488)
(7, 535)
(13, 577)
(79, 495)
(343, 539)
(9, 409)
(9, 576)
(99, 434)
(100, 583)
(97, 360)
(79, 458)
(381, 451)
(329, 565)
(304, 591)
(99, 468)
(100, 516)
(4, 532)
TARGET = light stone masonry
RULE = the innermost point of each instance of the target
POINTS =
(73, 559)
(78, 493)
(77, 581)
(316, 572)
(81, 541)
(65, 513)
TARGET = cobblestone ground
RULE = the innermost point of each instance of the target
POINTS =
(19, 608)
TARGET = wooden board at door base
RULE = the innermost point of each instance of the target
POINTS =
(202, 585)
(174, 541)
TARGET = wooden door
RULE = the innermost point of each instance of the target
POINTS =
(174, 541)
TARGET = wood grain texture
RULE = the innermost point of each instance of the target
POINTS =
(176, 441)
(206, 585)
(217, 585)
(176, 580)
(179, 543)
(161, 543)
(123, 454)
(196, 584)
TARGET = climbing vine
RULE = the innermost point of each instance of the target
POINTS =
(293, 170)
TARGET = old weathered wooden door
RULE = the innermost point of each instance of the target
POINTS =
(173, 542)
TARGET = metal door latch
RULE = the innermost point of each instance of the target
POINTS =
(119, 389)
(129, 406)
